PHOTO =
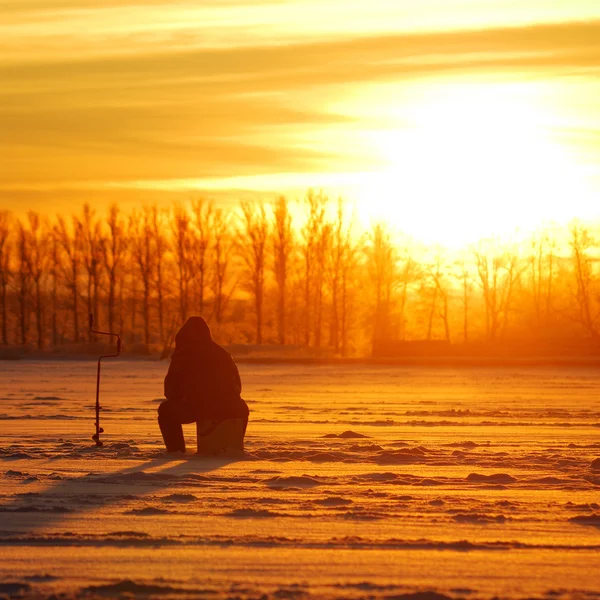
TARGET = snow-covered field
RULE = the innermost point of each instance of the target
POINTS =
(359, 482)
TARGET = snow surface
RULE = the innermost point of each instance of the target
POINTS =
(358, 482)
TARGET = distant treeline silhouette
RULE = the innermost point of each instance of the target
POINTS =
(261, 273)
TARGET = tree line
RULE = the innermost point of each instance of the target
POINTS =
(282, 273)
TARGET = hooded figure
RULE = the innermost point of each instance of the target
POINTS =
(203, 382)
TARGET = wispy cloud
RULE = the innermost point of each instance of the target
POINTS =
(171, 98)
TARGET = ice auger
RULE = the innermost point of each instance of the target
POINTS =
(99, 430)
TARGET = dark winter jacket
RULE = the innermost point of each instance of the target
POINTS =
(203, 374)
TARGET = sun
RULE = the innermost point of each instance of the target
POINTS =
(472, 161)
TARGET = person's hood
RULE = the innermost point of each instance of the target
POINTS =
(194, 334)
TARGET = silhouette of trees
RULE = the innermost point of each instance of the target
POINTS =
(315, 280)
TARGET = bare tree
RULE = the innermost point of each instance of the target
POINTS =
(202, 221)
(513, 268)
(92, 258)
(114, 246)
(283, 241)
(121, 285)
(488, 270)
(23, 281)
(295, 310)
(338, 260)
(70, 242)
(498, 271)
(438, 274)
(321, 251)
(408, 273)
(5, 273)
(587, 297)
(381, 267)
(541, 269)
(182, 248)
(221, 254)
(131, 295)
(55, 258)
(347, 306)
(429, 288)
(37, 261)
(465, 279)
(252, 247)
(144, 256)
(161, 246)
(313, 234)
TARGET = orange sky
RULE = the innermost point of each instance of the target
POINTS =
(438, 108)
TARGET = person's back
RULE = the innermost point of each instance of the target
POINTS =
(202, 383)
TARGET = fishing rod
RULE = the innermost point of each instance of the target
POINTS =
(99, 430)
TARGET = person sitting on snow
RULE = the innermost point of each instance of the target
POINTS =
(202, 385)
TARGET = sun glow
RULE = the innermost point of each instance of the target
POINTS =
(472, 161)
